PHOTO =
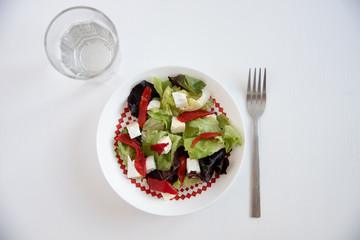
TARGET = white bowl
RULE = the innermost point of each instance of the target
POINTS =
(118, 180)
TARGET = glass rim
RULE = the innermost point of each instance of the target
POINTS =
(116, 42)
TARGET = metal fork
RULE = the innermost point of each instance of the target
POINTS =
(256, 100)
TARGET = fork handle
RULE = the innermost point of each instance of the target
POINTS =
(256, 174)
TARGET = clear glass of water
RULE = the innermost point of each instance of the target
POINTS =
(82, 43)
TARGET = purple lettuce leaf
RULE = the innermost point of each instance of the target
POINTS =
(171, 175)
(135, 96)
(222, 166)
(209, 163)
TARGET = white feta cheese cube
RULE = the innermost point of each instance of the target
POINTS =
(180, 99)
(131, 170)
(153, 104)
(166, 139)
(167, 196)
(133, 129)
(192, 165)
(177, 126)
(150, 164)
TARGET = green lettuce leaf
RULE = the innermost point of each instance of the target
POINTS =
(223, 120)
(163, 161)
(167, 103)
(158, 114)
(189, 83)
(190, 131)
(231, 136)
(203, 148)
(201, 125)
(195, 85)
(166, 84)
(187, 182)
(190, 181)
(153, 136)
(160, 85)
(177, 184)
(153, 124)
(125, 150)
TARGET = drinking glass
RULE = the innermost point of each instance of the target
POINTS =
(82, 43)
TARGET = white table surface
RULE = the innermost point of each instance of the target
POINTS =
(51, 185)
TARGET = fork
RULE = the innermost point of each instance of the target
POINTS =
(256, 100)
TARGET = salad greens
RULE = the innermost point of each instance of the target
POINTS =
(223, 120)
(167, 103)
(230, 134)
(203, 148)
(158, 114)
(209, 163)
(187, 182)
(125, 150)
(188, 83)
(201, 125)
(231, 137)
(210, 152)
(153, 124)
(163, 161)
(160, 85)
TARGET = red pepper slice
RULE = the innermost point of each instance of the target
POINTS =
(204, 135)
(145, 98)
(181, 170)
(159, 147)
(140, 160)
(161, 186)
(188, 116)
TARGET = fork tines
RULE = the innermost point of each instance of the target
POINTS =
(256, 94)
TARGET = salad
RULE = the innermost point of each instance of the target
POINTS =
(176, 141)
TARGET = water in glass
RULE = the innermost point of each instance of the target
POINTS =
(87, 49)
